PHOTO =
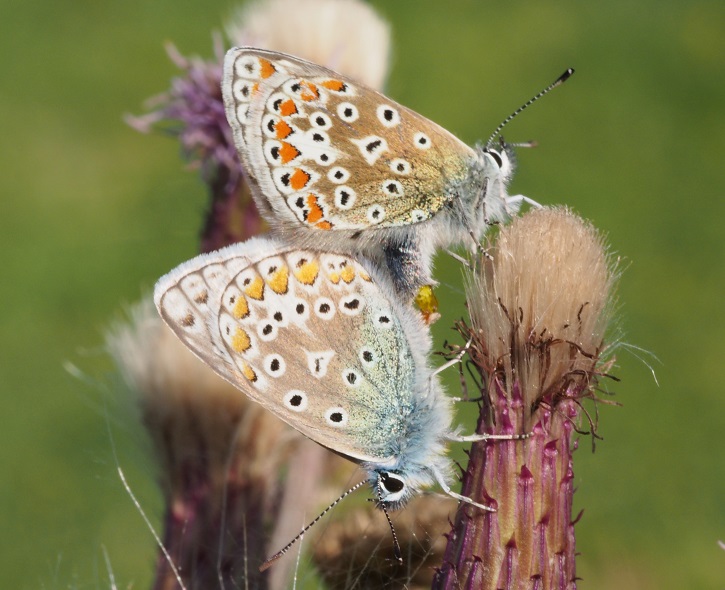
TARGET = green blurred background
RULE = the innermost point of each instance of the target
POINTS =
(93, 212)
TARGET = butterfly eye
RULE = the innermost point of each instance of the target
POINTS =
(391, 483)
(382, 320)
(400, 166)
(324, 308)
(274, 365)
(392, 188)
(267, 331)
(497, 157)
(375, 214)
(351, 304)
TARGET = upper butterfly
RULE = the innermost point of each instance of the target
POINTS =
(324, 152)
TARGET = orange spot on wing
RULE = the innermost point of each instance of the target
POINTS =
(334, 85)
(248, 372)
(334, 277)
(266, 69)
(282, 129)
(348, 274)
(255, 88)
(278, 281)
(323, 225)
(315, 212)
(241, 341)
(288, 152)
(241, 308)
(287, 108)
(365, 276)
(309, 91)
(299, 179)
(307, 272)
(255, 289)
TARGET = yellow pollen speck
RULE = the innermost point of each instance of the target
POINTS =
(241, 308)
(255, 289)
(278, 280)
(241, 341)
(348, 274)
(248, 372)
(427, 302)
(307, 273)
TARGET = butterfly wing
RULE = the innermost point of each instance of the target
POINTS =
(327, 152)
(310, 336)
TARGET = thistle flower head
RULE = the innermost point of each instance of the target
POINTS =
(358, 549)
(192, 110)
(539, 307)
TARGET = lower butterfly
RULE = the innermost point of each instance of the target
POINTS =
(323, 341)
(335, 164)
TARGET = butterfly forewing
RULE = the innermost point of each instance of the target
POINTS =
(329, 153)
(310, 336)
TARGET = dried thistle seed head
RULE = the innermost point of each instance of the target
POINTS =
(541, 307)
(348, 36)
(358, 547)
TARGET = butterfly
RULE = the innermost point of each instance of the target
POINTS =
(337, 165)
(324, 342)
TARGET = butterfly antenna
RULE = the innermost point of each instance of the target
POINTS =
(532, 143)
(558, 82)
(396, 546)
(268, 562)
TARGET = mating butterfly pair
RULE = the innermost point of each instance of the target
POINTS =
(317, 326)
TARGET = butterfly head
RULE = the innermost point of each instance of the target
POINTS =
(394, 487)
(499, 160)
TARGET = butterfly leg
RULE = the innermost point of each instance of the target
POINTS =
(457, 360)
(515, 202)
(478, 437)
(446, 488)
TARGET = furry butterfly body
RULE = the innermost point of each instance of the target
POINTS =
(337, 165)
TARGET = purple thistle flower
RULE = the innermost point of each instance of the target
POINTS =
(193, 111)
